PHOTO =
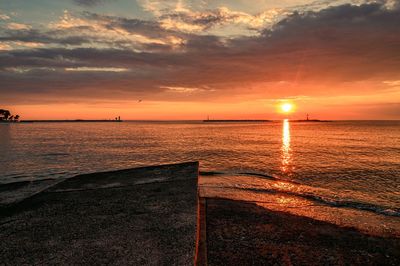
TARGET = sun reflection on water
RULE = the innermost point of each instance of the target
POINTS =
(286, 150)
(285, 186)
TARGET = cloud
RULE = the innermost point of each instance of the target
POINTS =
(90, 29)
(44, 37)
(194, 17)
(96, 69)
(111, 31)
(392, 83)
(190, 21)
(4, 17)
(186, 89)
(88, 3)
(126, 25)
(158, 7)
(18, 26)
(4, 46)
(346, 49)
(178, 15)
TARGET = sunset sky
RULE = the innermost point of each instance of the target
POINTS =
(186, 59)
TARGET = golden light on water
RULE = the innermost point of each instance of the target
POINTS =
(285, 149)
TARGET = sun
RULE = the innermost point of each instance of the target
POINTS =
(286, 108)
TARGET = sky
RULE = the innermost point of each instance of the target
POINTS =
(187, 59)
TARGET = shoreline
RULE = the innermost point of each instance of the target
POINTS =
(158, 215)
(70, 121)
(243, 233)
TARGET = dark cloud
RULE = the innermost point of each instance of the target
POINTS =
(36, 36)
(311, 53)
(206, 20)
(88, 3)
(89, 57)
(134, 26)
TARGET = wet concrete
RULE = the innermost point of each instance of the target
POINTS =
(143, 216)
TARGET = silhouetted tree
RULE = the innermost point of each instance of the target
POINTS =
(5, 114)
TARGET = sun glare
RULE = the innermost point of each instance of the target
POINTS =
(286, 107)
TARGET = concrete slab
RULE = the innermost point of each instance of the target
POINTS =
(144, 216)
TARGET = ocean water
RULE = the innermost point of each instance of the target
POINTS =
(344, 163)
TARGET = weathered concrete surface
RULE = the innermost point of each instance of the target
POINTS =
(108, 218)
(13, 193)
(243, 233)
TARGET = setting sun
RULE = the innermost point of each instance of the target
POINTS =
(286, 107)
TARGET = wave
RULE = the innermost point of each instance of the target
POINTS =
(330, 202)
(325, 200)
(265, 176)
(16, 184)
(62, 154)
(260, 175)
(211, 173)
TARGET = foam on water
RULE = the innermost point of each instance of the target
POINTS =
(343, 210)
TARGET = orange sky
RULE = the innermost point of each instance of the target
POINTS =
(318, 108)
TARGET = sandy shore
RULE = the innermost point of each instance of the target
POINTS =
(243, 233)
(144, 216)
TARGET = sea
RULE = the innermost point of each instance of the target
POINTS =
(353, 165)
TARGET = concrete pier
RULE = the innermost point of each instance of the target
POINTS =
(142, 216)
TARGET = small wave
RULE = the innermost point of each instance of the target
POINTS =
(210, 173)
(57, 174)
(334, 203)
(5, 186)
(260, 175)
(312, 197)
(265, 176)
(16, 176)
(55, 154)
